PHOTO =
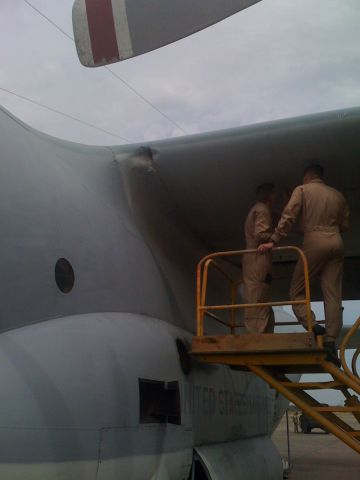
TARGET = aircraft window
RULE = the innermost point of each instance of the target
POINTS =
(64, 275)
(159, 402)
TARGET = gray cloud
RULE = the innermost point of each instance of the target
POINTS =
(277, 59)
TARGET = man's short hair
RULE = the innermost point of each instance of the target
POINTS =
(263, 191)
(314, 169)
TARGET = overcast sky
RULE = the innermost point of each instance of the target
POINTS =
(279, 58)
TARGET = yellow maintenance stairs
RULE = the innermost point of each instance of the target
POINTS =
(273, 357)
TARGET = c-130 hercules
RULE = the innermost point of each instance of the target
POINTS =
(95, 378)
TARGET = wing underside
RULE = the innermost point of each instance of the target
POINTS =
(210, 180)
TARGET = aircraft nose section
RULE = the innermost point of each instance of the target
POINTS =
(70, 372)
(58, 390)
(68, 384)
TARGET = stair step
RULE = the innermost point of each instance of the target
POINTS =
(255, 343)
(336, 409)
(313, 385)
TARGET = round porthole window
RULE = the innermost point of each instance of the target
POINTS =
(64, 275)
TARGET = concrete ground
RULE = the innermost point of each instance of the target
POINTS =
(318, 455)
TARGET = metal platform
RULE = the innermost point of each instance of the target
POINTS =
(272, 356)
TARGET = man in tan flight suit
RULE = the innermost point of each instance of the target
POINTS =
(325, 214)
(256, 266)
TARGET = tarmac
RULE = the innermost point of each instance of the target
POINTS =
(317, 455)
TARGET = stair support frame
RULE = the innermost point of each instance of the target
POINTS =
(291, 395)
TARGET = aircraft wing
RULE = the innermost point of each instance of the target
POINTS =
(108, 31)
(209, 181)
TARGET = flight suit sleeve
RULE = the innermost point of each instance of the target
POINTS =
(289, 215)
(263, 226)
(344, 223)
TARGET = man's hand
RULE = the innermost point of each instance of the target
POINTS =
(264, 247)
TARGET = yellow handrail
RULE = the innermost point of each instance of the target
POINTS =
(202, 282)
(354, 362)
(345, 342)
(208, 263)
(233, 286)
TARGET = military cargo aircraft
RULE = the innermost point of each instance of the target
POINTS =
(99, 249)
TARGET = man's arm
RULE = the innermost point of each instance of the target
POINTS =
(344, 224)
(287, 219)
(288, 216)
(263, 228)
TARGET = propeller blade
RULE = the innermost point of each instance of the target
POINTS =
(108, 31)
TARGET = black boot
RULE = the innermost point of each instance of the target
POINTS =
(318, 330)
